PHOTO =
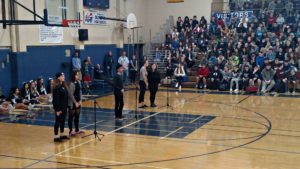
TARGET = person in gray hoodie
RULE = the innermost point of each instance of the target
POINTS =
(268, 79)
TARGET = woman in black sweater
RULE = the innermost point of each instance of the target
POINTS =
(154, 81)
(60, 105)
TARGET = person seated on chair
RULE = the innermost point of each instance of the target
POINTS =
(227, 75)
(292, 81)
(235, 79)
(215, 78)
(246, 77)
(281, 85)
(256, 78)
(179, 74)
(98, 73)
(268, 79)
(202, 75)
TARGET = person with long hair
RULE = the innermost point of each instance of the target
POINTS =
(143, 84)
(75, 94)
(17, 101)
(154, 81)
(60, 106)
(179, 73)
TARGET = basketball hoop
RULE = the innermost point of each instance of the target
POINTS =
(71, 23)
(131, 21)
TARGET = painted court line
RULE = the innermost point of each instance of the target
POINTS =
(92, 124)
(196, 119)
(68, 149)
(109, 161)
(105, 134)
(171, 133)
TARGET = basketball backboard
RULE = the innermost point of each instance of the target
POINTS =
(59, 10)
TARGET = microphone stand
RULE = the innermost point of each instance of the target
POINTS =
(169, 77)
(95, 133)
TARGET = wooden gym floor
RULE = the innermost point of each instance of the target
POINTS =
(202, 130)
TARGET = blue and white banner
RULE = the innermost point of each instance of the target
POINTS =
(94, 18)
(238, 14)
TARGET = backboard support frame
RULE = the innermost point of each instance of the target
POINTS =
(37, 19)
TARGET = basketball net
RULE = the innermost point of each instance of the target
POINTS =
(71, 23)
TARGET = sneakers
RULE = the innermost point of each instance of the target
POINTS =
(64, 137)
(236, 90)
(58, 140)
(179, 88)
(144, 106)
(72, 134)
(120, 118)
(293, 93)
(230, 90)
(80, 132)
(153, 105)
(30, 106)
(176, 85)
(10, 109)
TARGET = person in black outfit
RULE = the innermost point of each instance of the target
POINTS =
(118, 92)
(215, 78)
(108, 61)
(74, 104)
(98, 73)
(133, 68)
(60, 106)
(154, 81)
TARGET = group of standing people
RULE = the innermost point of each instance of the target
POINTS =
(148, 79)
(66, 99)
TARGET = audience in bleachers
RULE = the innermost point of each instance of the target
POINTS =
(249, 50)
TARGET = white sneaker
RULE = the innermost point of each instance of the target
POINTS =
(180, 88)
(30, 106)
(230, 90)
(176, 85)
(10, 109)
(293, 93)
(236, 90)
(50, 99)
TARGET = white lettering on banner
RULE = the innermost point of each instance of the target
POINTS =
(94, 18)
(239, 14)
(51, 34)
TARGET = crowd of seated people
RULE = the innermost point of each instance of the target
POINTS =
(261, 52)
(30, 94)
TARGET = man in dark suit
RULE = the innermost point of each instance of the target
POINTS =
(118, 92)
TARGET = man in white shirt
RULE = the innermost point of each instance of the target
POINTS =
(124, 61)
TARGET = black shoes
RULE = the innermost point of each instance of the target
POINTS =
(144, 106)
(58, 140)
(120, 118)
(153, 105)
(61, 139)
(64, 138)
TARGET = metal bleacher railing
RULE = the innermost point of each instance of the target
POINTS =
(161, 61)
